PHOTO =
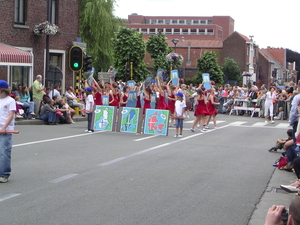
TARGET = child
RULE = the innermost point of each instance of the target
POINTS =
(179, 110)
(89, 104)
(280, 114)
(19, 109)
(280, 142)
(7, 114)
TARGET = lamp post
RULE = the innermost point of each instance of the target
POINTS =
(175, 41)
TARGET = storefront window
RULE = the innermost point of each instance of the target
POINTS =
(19, 75)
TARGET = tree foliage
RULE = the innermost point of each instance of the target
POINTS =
(158, 48)
(231, 70)
(97, 27)
(208, 64)
(128, 46)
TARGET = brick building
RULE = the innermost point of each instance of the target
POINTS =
(16, 24)
(195, 35)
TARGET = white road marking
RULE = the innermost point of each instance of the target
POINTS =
(54, 139)
(63, 178)
(9, 196)
(237, 123)
(218, 121)
(259, 124)
(145, 138)
(282, 125)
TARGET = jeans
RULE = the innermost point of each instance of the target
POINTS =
(179, 123)
(29, 105)
(5, 154)
(49, 117)
(89, 119)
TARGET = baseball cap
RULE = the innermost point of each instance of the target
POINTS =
(89, 89)
(179, 94)
(3, 84)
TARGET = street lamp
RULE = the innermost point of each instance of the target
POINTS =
(175, 41)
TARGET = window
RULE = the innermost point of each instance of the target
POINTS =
(145, 30)
(195, 21)
(153, 21)
(181, 21)
(188, 21)
(19, 75)
(147, 21)
(152, 31)
(53, 11)
(193, 31)
(167, 21)
(176, 31)
(185, 31)
(203, 21)
(174, 21)
(210, 31)
(202, 31)
(54, 75)
(220, 33)
(209, 21)
(160, 29)
(160, 21)
(19, 12)
(168, 31)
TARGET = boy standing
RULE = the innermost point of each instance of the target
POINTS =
(7, 112)
(179, 110)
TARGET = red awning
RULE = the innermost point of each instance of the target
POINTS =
(13, 56)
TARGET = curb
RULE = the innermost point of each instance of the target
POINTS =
(41, 122)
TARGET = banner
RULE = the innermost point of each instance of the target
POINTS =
(104, 118)
(129, 120)
(174, 77)
(156, 122)
(206, 80)
(105, 100)
(153, 101)
(132, 99)
(107, 76)
(131, 83)
(159, 73)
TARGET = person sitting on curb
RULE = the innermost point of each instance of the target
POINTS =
(48, 113)
(277, 216)
(280, 142)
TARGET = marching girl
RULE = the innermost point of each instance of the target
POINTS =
(98, 93)
(147, 99)
(200, 111)
(171, 100)
(124, 96)
(212, 112)
(161, 103)
(138, 98)
(115, 95)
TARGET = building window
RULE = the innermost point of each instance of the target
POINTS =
(202, 31)
(54, 75)
(203, 21)
(152, 31)
(174, 21)
(160, 29)
(195, 21)
(220, 33)
(168, 31)
(176, 31)
(181, 21)
(153, 21)
(144, 30)
(147, 21)
(160, 21)
(188, 21)
(53, 11)
(19, 11)
(209, 21)
(193, 31)
(19, 75)
(185, 31)
(210, 31)
(167, 21)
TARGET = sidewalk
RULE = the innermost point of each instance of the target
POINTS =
(273, 195)
(76, 118)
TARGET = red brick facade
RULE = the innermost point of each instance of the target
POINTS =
(67, 17)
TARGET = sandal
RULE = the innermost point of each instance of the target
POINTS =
(287, 168)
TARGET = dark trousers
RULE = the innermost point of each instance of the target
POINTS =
(89, 119)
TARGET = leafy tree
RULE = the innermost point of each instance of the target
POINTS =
(130, 47)
(158, 49)
(231, 70)
(97, 27)
(208, 64)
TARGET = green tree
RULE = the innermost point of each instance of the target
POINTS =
(97, 27)
(130, 47)
(208, 64)
(231, 70)
(158, 48)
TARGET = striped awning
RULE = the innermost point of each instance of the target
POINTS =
(13, 56)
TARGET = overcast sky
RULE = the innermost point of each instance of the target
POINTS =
(273, 23)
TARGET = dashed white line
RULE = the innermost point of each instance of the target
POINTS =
(9, 196)
(63, 178)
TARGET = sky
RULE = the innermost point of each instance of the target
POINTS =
(272, 23)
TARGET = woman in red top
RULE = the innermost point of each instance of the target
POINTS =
(161, 103)
(200, 111)
(124, 96)
(115, 94)
(98, 93)
(212, 112)
(138, 98)
(171, 100)
(147, 99)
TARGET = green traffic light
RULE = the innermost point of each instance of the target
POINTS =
(76, 65)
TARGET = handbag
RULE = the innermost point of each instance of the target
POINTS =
(59, 113)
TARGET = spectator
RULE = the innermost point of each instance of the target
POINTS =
(46, 96)
(27, 103)
(37, 92)
(55, 91)
(48, 113)
(18, 91)
(72, 100)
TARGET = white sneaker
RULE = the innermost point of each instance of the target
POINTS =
(198, 126)
(87, 131)
(192, 130)
(175, 136)
(202, 131)
(180, 135)
(187, 116)
(3, 180)
(206, 127)
(266, 122)
(272, 121)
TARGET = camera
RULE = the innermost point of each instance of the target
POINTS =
(284, 215)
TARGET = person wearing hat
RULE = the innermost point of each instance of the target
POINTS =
(89, 104)
(7, 112)
(179, 111)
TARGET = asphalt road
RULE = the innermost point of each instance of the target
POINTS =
(62, 175)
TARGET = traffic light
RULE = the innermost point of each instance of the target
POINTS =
(75, 58)
(127, 70)
(86, 63)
